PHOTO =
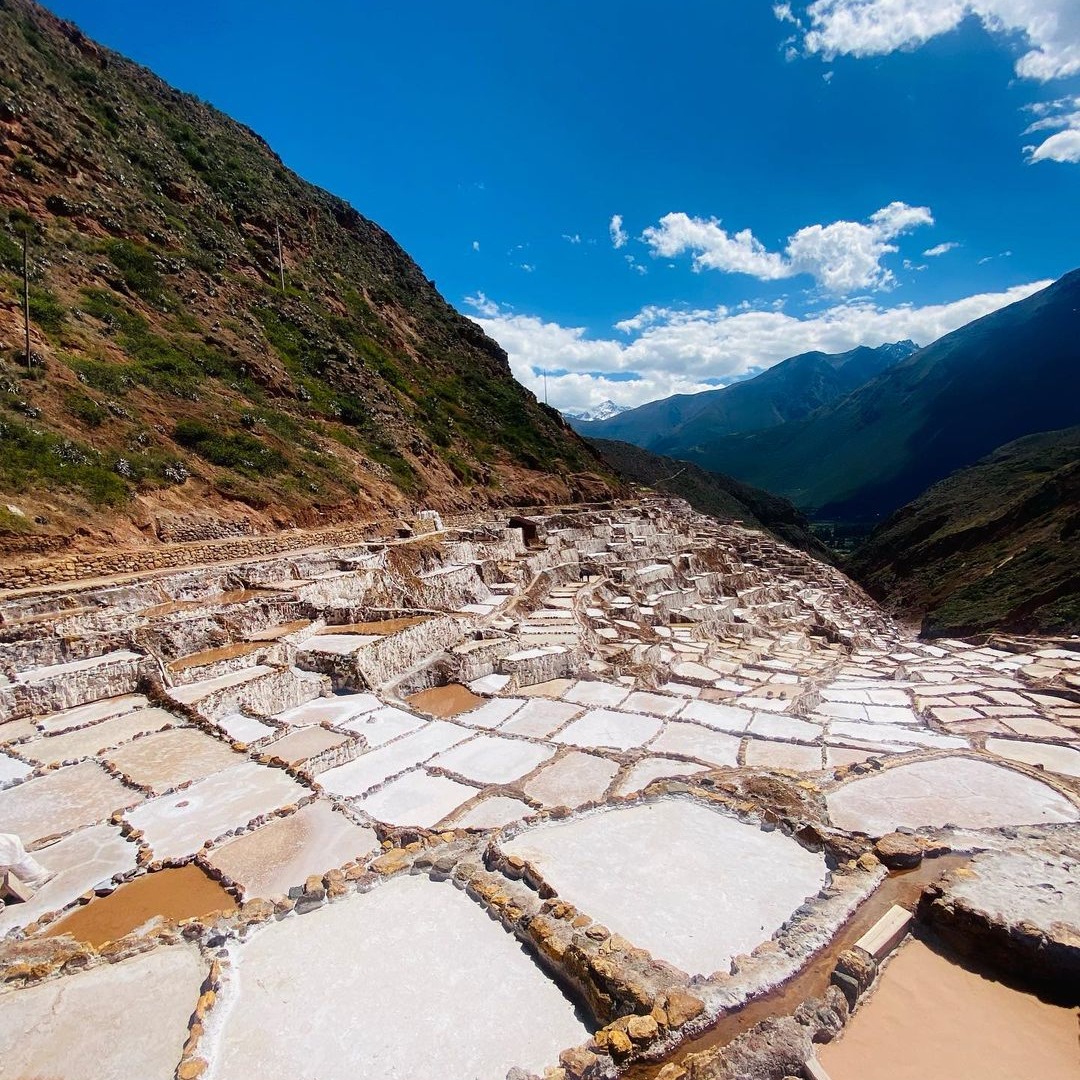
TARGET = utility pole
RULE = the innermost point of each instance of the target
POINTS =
(26, 295)
(280, 260)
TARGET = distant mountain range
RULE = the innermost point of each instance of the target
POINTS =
(1012, 373)
(709, 493)
(853, 437)
(996, 544)
(790, 390)
(604, 411)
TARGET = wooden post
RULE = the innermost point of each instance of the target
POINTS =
(26, 295)
(280, 260)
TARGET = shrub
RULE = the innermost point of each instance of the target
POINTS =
(240, 452)
(138, 268)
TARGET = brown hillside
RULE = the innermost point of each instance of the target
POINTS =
(174, 382)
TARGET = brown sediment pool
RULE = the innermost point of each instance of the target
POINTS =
(932, 1015)
(214, 656)
(182, 893)
(902, 888)
(450, 700)
(383, 626)
(235, 596)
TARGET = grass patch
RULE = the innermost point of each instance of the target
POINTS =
(138, 268)
(31, 459)
(85, 409)
(237, 451)
(46, 311)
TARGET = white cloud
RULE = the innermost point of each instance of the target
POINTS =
(618, 233)
(572, 238)
(663, 351)
(1050, 28)
(476, 245)
(842, 257)
(481, 304)
(940, 249)
(1063, 118)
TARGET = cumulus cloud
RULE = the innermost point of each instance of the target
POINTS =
(1050, 28)
(662, 351)
(940, 249)
(476, 245)
(618, 233)
(842, 257)
(1062, 117)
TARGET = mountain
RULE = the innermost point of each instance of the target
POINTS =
(1009, 374)
(180, 371)
(993, 545)
(790, 390)
(719, 496)
(604, 411)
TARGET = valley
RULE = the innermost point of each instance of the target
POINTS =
(362, 714)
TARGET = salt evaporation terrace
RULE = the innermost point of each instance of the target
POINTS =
(542, 795)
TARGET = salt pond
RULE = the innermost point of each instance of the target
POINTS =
(443, 966)
(692, 885)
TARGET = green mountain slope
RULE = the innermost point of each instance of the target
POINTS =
(790, 390)
(1014, 372)
(719, 496)
(175, 376)
(993, 545)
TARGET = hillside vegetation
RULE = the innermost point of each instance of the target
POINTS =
(1012, 373)
(993, 545)
(174, 376)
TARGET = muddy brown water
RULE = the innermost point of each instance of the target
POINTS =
(383, 626)
(235, 596)
(903, 888)
(933, 1015)
(214, 656)
(451, 700)
(182, 893)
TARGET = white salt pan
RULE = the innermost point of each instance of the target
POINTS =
(178, 824)
(958, 791)
(416, 798)
(605, 727)
(356, 777)
(488, 759)
(688, 883)
(438, 957)
(113, 1022)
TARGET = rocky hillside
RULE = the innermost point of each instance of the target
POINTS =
(1010, 374)
(994, 545)
(719, 496)
(179, 374)
(791, 390)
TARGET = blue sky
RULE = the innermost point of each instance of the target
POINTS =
(763, 161)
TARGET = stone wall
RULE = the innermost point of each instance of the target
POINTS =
(139, 560)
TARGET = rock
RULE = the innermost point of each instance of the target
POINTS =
(580, 1064)
(682, 1007)
(867, 861)
(899, 852)
(671, 1071)
(642, 1029)
(615, 1041)
(191, 1069)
